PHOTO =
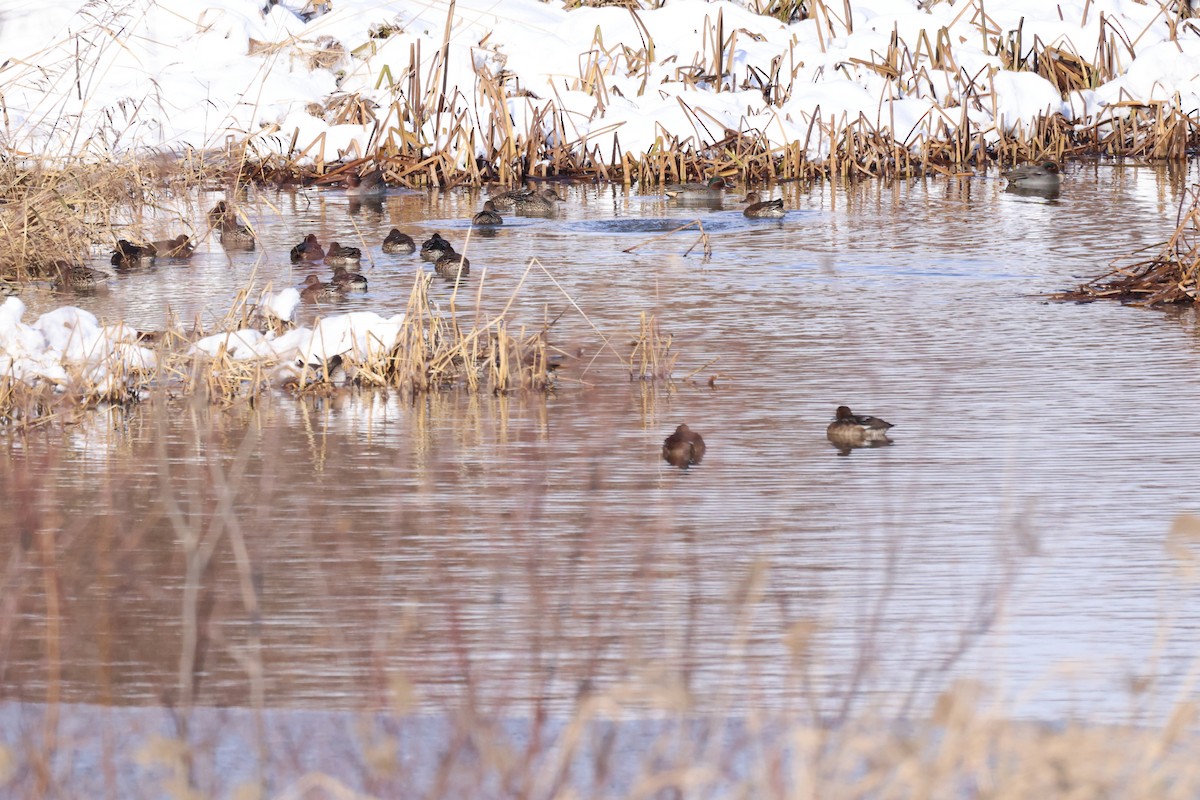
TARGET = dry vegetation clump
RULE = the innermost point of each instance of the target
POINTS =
(424, 350)
(53, 214)
(1171, 276)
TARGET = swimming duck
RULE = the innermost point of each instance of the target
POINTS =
(235, 235)
(683, 448)
(130, 256)
(218, 214)
(537, 203)
(343, 279)
(713, 187)
(452, 265)
(397, 242)
(526, 201)
(75, 276)
(1044, 175)
(435, 247)
(313, 290)
(337, 256)
(308, 250)
(179, 247)
(504, 200)
(857, 430)
(763, 209)
(366, 185)
(488, 216)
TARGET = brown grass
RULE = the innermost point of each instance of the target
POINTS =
(434, 351)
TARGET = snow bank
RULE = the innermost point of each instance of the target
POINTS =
(69, 342)
(175, 73)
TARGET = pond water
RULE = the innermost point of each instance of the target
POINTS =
(523, 550)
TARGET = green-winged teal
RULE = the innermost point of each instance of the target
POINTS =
(338, 256)
(131, 256)
(219, 213)
(451, 265)
(308, 250)
(711, 188)
(504, 200)
(367, 185)
(489, 216)
(434, 248)
(1043, 175)
(683, 448)
(537, 203)
(344, 279)
(397, 242)
(762, 209)
(527, 201)
(235, 235)
(857, 430)
(75, 276)
(313, 290)
(179, 247)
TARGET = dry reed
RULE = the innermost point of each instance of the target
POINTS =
(432, 351)
(1171, 276)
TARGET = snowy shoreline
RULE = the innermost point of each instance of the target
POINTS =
(171, 74)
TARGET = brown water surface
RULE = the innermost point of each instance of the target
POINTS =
(369, 551)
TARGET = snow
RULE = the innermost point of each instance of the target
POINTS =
(174, 73)
(97, 79)
(68, 341)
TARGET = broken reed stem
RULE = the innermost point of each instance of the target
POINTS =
(1171, 277)
(702, 239)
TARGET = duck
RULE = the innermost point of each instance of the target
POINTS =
(218, 214)
(308, 250)
(683, 448)
(343, 279)
(75, 276)
(857, 430)
(397, 242)
(313, 290)
(366, 185)
(489, 216)
(526, 201)
(762, 209)
(504, 201)
(434, 248)
(179, 247)
(130, 256)
(713, 187)
(452, 265)
(538, 203)
(1043, 176)
(235, 235)
(338, 256)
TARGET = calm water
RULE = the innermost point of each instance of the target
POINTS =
(376, 553)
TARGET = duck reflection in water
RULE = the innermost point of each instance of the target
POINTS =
(683, 448)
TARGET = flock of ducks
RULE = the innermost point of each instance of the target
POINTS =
(683, 448)
(447, 262)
